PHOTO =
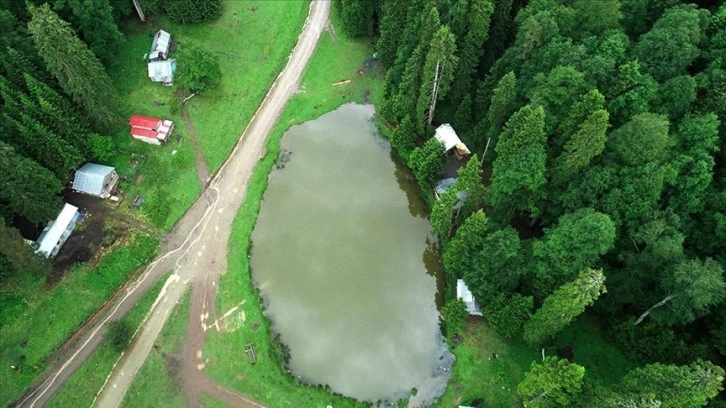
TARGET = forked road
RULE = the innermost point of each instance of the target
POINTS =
(197, 247)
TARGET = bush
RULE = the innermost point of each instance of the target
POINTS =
(193, 11)
(455, 315)
(119, 334)
(198, 69)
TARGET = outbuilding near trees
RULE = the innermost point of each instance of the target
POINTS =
(150, 130)
(96, 180)
(448, 137)
(57, 231)
(161, 68)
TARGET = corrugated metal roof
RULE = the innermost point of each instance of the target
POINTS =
(463, 293)
(89, 178)
(144, 122)
(447, 135)
(54, 231)
(160, 44)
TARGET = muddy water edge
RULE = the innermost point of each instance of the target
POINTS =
(342, 257)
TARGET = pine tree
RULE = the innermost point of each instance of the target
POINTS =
(394, 18)
(29, 189)
(471, 48)
(97, 27)
(553, 383)
(584, 145)
(561, 307)
(78, 71)
(438, 73)
(501, 107)
(358, 16)
(518, 172)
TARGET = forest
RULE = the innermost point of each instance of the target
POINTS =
(599, 181)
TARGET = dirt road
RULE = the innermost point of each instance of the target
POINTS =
(197, 247)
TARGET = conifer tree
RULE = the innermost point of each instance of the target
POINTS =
(29, 189)
(438, 73)
(471, 47)
(78, 71)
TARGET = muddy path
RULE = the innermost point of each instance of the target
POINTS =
(195, 249)
(202, 170)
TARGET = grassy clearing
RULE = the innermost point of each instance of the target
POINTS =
(166, 175)
(156, 384)
(493, 381)
(335, 60)
(209, 402)
(34, 320)
(82, 386)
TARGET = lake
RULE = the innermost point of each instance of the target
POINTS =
(340, 254)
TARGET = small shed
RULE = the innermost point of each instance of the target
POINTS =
(150, 130)
(96, 180)
(57, 231)
(447, 135)
(463, 293)
(162, 71)
(160, 46)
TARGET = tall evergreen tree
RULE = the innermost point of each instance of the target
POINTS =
(471, 47)
(97, 27)
(438, 73)
(553, 383)
(562, 306)
(518, 172)
(358, 16)
(392, 22)
(78, 71)
(28, 189)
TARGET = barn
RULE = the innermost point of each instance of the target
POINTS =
(150, 130)
(96, 180)
(57, 231)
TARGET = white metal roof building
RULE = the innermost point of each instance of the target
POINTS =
(463, 293)
(57, 232)
(447, 135)
(162, 71)
(95, 179)
(160, 46)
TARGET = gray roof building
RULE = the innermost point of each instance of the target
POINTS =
(96, 180)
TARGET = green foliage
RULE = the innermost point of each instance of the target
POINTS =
(357, 16)
(394, 17)
(455, 314)
(193, 11)
(442, 213)
(97, 27)
(552, 383)
(77, 70)
(404, 135)
(676, 386)
(644, 139)
(19, 255)
(198, 69)
(119, 334)
(469, 239)
(596, 17)
(28, 189)
(583, 146)
(507, 314)
(518, 172)
(495, 268)
(675, 97)
(672, 44)
(501, 107)
(631, 93)
(427, 162)
(576, 243)
(561, 307)
(438, 73)
(101, 147)
(471, 46)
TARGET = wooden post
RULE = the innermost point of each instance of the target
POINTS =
(481, 163)
(139, 11)
(434, 93)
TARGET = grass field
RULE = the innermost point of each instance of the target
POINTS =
(166, 175)
(82, 386)
(155, 385)
(34, 320)
(336, 59)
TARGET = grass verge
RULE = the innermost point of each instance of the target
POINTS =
(35, 320)
(336, 59)
(82, 386)
(157, 383)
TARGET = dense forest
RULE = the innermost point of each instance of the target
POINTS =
(599, 180)
(58, 105)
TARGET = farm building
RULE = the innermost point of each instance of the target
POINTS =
(160, 46)
(150, 130)
(160, 67)
(57, 231)
(443, 185)
(96, 180)
(446, 135)
(463, 293)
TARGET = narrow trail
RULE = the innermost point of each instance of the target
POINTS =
(202, 170)
(196, 249)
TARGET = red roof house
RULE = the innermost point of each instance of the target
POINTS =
(150, 130)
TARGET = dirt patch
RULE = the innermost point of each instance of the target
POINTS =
(173, 365)
(140, 178)
(202, 170)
